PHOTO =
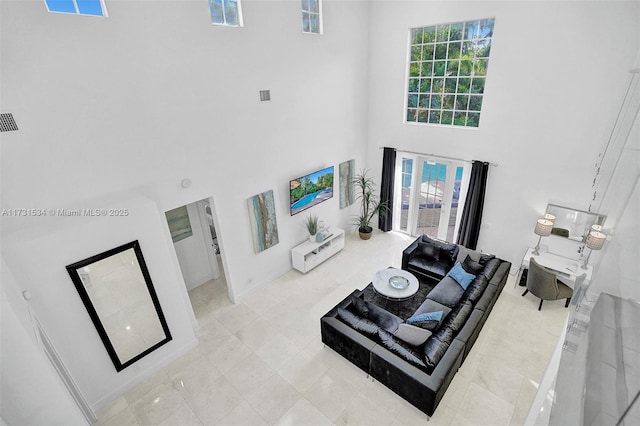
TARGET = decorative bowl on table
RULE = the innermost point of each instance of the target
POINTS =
(398, 282)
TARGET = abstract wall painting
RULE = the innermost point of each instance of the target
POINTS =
(262, 215)
(346, 171)
(179, 224)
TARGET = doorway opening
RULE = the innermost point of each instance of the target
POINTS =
(194, 232)
(429, 195)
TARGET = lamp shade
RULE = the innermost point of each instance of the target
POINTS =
(551, 218)
(543, 227)
(596, 240)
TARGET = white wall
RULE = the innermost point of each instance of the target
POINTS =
(37, 257)
(133, 104)
(557, 76)
(155, 93)
(33, 393)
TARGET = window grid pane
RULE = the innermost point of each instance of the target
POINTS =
(447, 71)
(311, 16)
(225, 12)
(77, 7)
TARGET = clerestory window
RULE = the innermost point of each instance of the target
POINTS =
(447, 73)
(311, 16)
(78, 7)
(226, 12)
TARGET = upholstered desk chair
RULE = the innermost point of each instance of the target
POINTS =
(545, 285)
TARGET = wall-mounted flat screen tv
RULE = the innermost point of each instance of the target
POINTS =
(310, 190)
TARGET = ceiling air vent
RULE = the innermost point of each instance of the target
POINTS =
(265, 95)
(7, 123)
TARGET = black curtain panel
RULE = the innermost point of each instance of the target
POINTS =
(472, 213)
(386, 189)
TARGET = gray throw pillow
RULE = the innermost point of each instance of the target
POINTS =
(411, 334)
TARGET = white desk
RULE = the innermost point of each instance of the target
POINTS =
(567, 270)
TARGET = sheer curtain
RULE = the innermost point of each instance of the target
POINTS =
(472, 213)
(386, 189)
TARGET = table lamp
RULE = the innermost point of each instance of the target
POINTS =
(595, 241)
(543, 229)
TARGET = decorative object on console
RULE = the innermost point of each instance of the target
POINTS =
(112, 285)
(262, 215)
(595, 241)
(370, 204)
(551, 218)
(543, 229)
(311, 223)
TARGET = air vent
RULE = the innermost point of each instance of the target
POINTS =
(7, 123)
(265, 95)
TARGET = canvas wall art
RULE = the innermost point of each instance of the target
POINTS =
(262, 215)
(179, 224)
(346, 171)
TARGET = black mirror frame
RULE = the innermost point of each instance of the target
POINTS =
(77, 281)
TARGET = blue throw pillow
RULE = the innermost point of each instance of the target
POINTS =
(461, 276)
(427, 316)
(427, 320)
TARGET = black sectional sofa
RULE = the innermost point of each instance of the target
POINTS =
(395, 352)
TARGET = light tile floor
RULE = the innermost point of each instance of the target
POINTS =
(261, 362)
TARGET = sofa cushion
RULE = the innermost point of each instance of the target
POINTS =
(475, 289)
(383, 318)
(490, 268)
(476, 256)
(360, 307)
(390, 342)
(358, 323)
(461, 276)
(455, 320)
(436, 345)
(411, 334)
(423, 265)
(428, 320)
(471, 266)
(428, 252)
(432, 306)
(447, 292)
(448, 251)
(433, 350)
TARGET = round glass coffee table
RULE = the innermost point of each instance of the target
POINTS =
(395, 284)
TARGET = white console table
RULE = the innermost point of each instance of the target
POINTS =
(310, 254)
(567, 270)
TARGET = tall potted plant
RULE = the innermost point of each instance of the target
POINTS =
(370, 204)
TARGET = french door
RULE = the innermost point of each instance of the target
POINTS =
(429, 195)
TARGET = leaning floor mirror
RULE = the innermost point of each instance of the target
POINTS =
(117, 291)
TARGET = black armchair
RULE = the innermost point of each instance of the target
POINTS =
(429, 259)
